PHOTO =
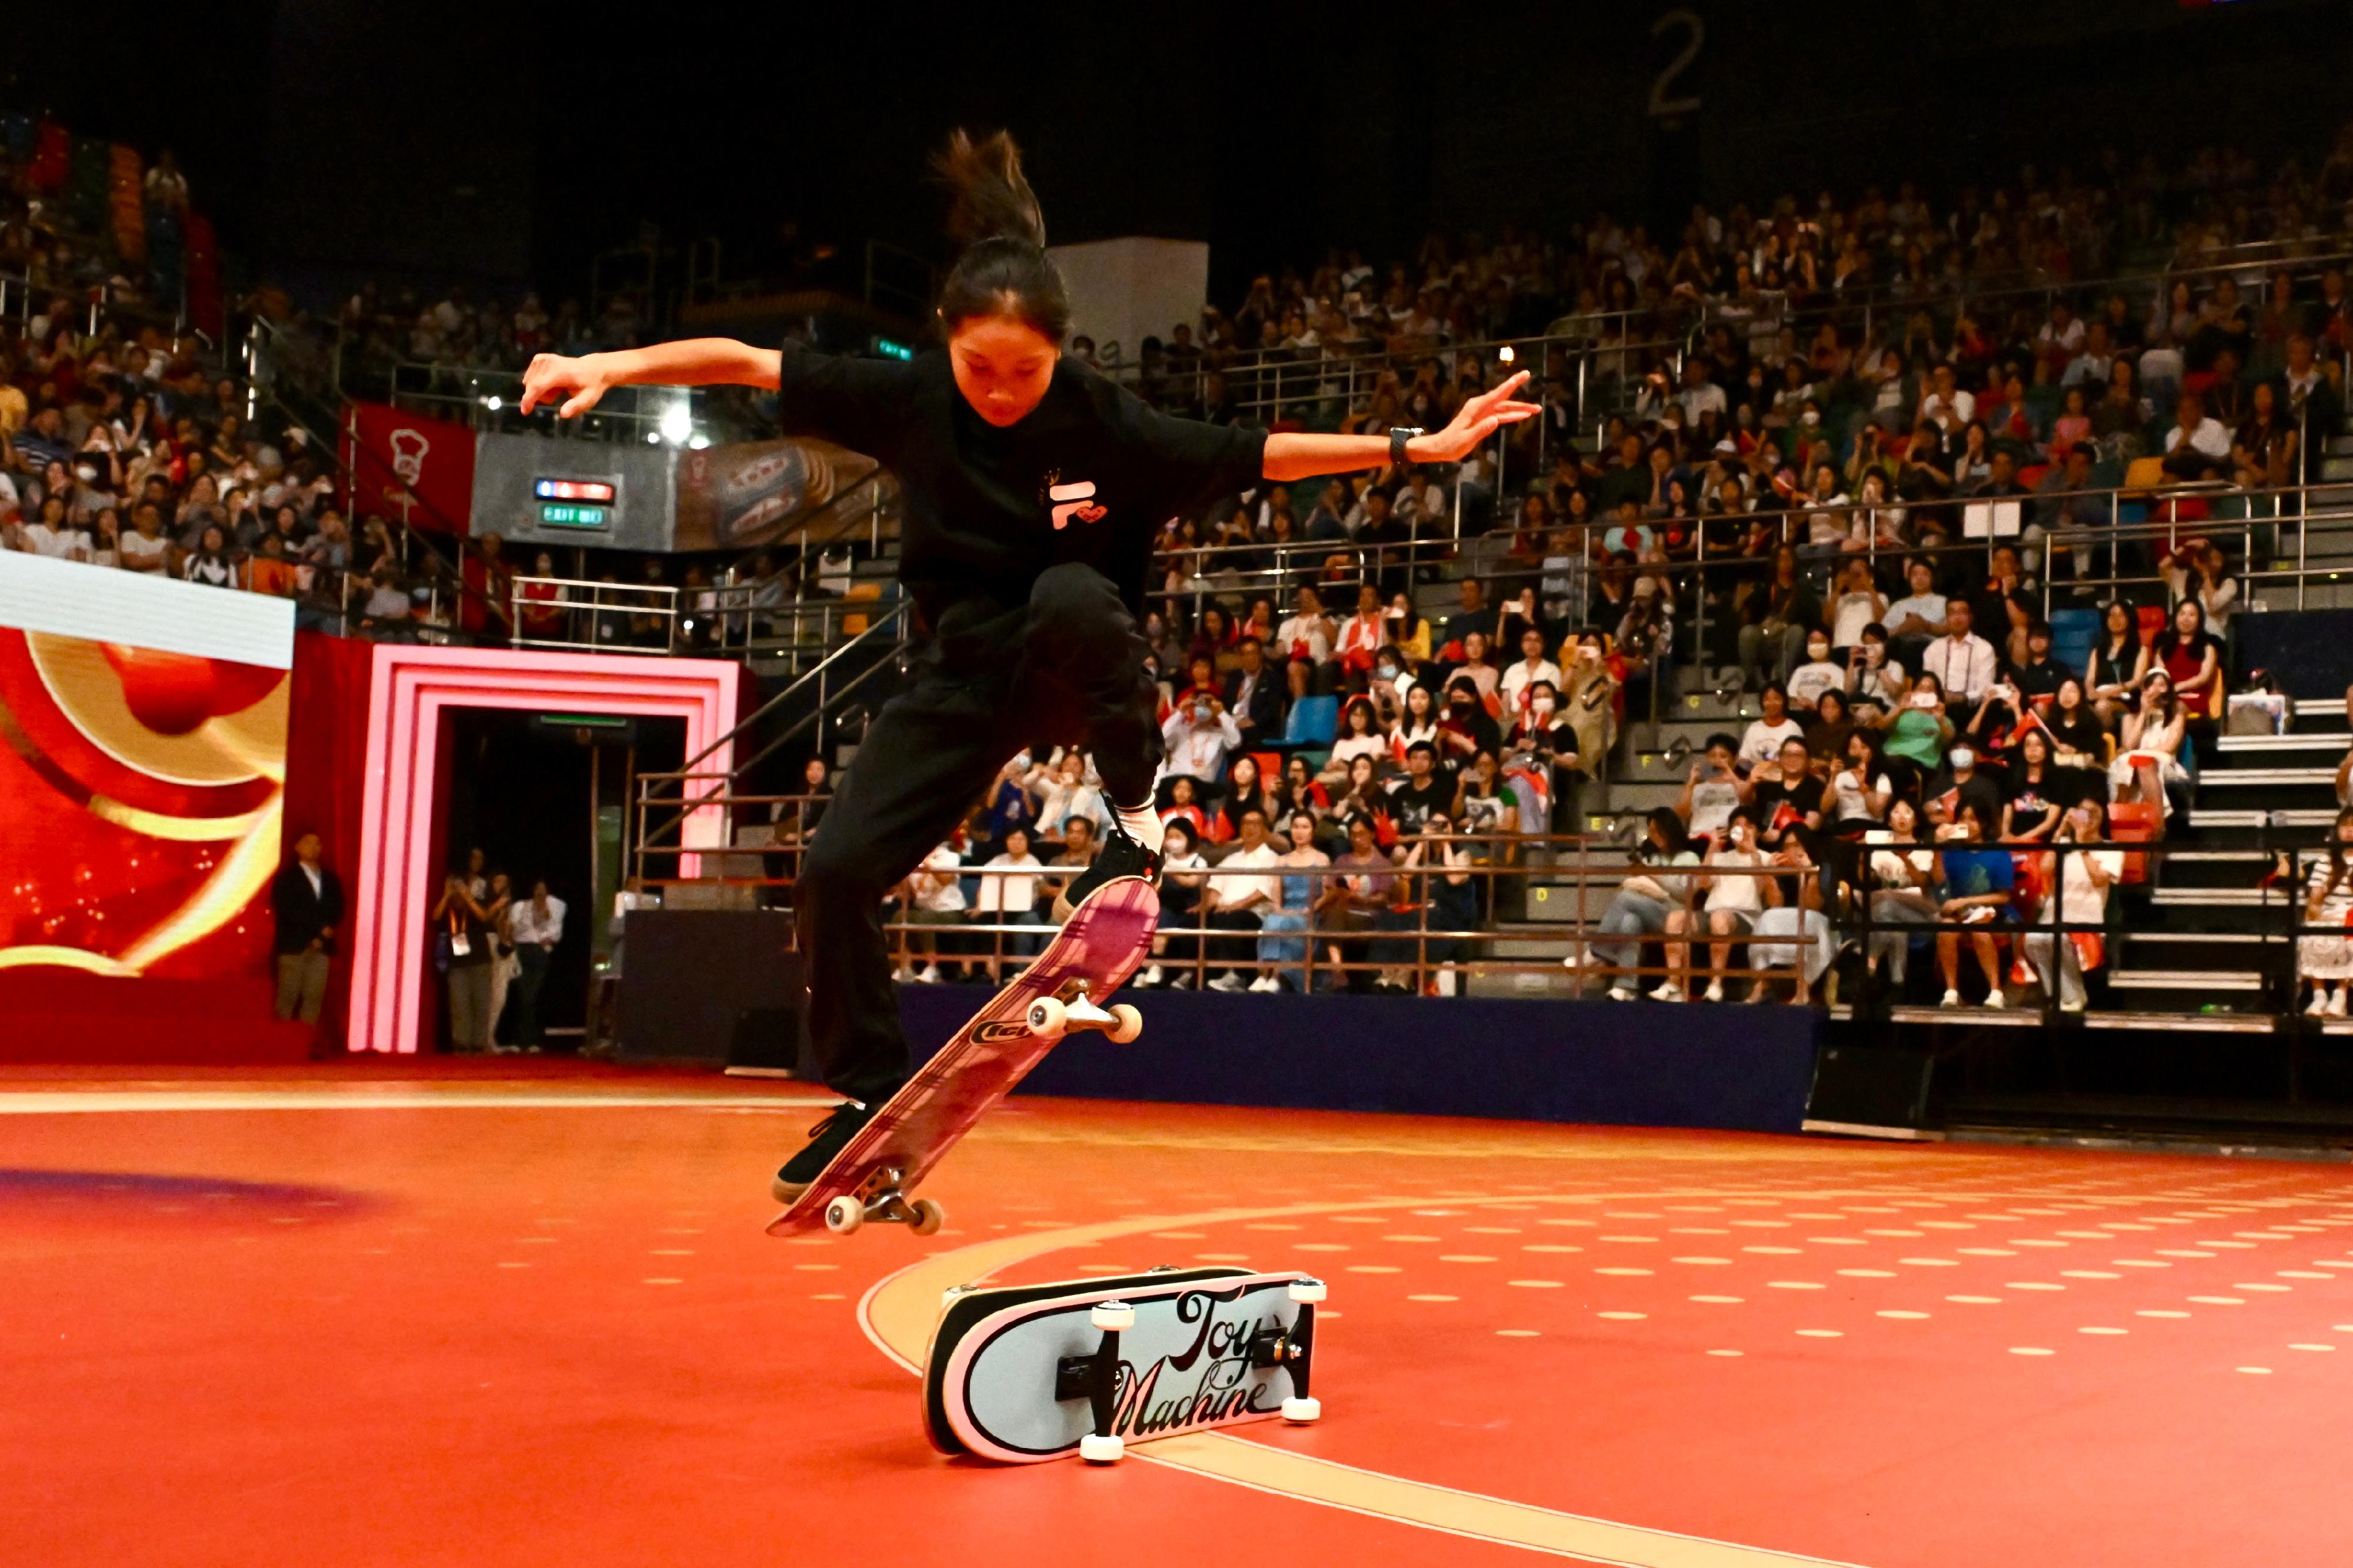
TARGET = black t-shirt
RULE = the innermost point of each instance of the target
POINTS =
(1089, 475)
(2038, 679)
(1988, 797)
(2083, 734)
(2028, 800)
(1409, 807)
(1803, 795)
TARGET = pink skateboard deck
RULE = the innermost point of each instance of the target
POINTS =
(1098, 947)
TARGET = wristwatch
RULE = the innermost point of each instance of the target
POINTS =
(1399, 435)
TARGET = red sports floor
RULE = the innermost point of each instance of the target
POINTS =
(368, 1317)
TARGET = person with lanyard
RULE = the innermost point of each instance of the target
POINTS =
(462, 939)
(1032, 490)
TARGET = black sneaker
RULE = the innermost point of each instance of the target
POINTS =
(825, 1139)
(1120, 856)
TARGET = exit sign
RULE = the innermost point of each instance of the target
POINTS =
(572, 515)
(890, 347)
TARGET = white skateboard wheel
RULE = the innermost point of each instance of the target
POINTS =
(1096, 1449)
(1047, 1017)
(1113, 1317)
(1308, 1290)
(1126, 1022)
(1301, 1410)
(844, 1215)
(925, 1217)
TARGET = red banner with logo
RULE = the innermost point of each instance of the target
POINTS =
(406, 467)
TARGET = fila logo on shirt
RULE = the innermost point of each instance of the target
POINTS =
(1075, 499)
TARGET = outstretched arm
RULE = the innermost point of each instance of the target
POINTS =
(694, 362)
(1292, 455)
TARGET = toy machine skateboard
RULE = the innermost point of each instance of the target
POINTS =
(1030, 1373)
(1063, 989)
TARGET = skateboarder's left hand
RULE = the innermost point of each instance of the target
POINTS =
(1478, 418)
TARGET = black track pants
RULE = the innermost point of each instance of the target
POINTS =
(1068, 665)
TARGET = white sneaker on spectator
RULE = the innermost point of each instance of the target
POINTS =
(2318, 1004)
(1621, 994)
(1181, 981)
(1952, 999)
(1715, 992)
(2335, 1008)
(1668, 992)
(1150, 977)
(930, 974)
(1265, 982)
(1993, 1000)
(1229, 981)
(904, 972)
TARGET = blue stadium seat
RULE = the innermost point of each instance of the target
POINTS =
(1314, 722)
(2073, 634)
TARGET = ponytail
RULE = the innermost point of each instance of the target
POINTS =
(1003, 269)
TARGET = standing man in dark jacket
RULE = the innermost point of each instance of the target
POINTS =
(306, 901)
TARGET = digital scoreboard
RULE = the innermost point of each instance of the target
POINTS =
(585, 504)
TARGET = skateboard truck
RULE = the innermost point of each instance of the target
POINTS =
(1101, 1446)
(879, 1198)
(1072, 1007)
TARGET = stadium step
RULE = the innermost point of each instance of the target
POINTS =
(2217, 898)
(2301, 741)
(2202, 938)
(2277, 778)
(2235, 980)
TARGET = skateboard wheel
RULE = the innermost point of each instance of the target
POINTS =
(1301, 1410)
(925, 1217)
(1308, 1290)
(844, 1215)
(1047, 1017)
(1126, 1022)
(1113, 1317)
(1098, 1449)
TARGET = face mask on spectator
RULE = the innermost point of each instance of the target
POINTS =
(1963, 758)
(1818, 651)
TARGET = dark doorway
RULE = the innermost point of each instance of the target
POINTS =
(537, 793)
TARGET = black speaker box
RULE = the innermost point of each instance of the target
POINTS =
(712, 985)
(1872, 1091)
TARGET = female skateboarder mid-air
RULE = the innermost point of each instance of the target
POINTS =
(1032, 490)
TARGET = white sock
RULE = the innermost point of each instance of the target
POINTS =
(1141, 824)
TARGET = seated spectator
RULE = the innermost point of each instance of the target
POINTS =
(1441, 899)
(2148, 768)
(1416, 725)
(1774, 618)
(1199, 735)
(1009, 896)
(1712, 790)
(1068, 794)
(1352, 900)
(2205, 576)
(2196, 448)
(1857, 604)
(1239, 893)
(2084, 878)
(1978, 886)
(2037, 795)
(1079, 849)
(269, 571)
(1762, 740)
(1306, 640)
(1861, 789)
(1818, 675)
(146, 549)
(2079, 741)
(933, 896)
(2264, 448)
(2036, 678)
(1301, 891)
(1903, 882)
(1464, 726)
(1361, 635)
(1533, 666)
(1734, 892)
(1253, 697)
(1826, 731)
(1176, 944)
(1783, 797)
(2119, 662)
(2191, 657)
(1422, 792)
(2324, 958)
(1918, 617)
(1918, 730)
(1184, 807)
(210, 563)
(1876, 678)
(1360, 737)
(1805, 944)
(1964, 664)
(1643, 903)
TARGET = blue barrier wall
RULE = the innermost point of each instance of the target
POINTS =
(1624, 1064)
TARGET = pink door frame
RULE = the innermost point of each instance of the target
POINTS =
(412, 687)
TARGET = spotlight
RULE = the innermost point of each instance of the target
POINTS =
(494, 402)
(698, 441)
(677, 423)
(1506, 354)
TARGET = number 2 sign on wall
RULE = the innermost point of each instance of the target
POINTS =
(1663, 106)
